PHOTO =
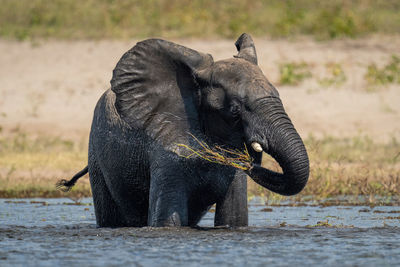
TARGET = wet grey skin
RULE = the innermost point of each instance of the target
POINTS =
(162, 94)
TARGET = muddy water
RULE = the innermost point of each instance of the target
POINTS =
(53, 232)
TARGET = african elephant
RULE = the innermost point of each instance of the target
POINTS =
(162, 94)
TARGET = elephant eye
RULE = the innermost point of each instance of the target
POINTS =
(235, 110)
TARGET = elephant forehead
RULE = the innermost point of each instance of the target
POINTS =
(236, 69)
(242, 78)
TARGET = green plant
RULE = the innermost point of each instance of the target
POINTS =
(336, 21)
(288, 23)
(293, 73)
(389, 73)
(336, 75)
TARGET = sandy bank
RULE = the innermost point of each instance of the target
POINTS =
(52, 87)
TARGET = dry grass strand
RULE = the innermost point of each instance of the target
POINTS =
(219, 155)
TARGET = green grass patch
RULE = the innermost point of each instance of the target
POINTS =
(390, 73)
(97, 19)
(293, 73)
(336, 75)
(31, 165)
(21, 151)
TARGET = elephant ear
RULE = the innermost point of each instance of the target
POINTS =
(155, 87)
(245, 47)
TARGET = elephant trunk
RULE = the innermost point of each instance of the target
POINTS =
(283, 143)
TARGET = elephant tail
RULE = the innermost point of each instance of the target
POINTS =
(65, 185)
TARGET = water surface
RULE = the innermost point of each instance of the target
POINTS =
(49, 232)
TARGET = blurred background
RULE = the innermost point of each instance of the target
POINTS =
(100, 19)
(335, 63)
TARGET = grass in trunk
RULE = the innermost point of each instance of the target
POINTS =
(219, 155)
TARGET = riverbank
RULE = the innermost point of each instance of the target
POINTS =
(339, 166)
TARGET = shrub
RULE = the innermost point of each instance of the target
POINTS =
(293, 73)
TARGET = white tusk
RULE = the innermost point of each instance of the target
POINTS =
(256, 146)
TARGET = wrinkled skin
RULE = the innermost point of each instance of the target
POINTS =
(161, 95)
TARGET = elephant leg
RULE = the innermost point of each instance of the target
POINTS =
(106, 210)
(168, 199)
(232, 209)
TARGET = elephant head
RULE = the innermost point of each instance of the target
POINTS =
(170, 91)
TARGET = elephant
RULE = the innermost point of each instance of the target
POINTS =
(163, 94)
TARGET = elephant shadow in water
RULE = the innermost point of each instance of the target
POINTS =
(163, 94)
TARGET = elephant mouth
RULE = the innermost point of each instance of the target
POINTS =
(285, 168)
(261, 157)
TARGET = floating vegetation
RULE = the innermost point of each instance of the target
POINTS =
(383, 211)
(327, 224)
(266, 210)
(392, 218)
(43, 203)
(76, 204)
(15, 202)
(364, 210)
(323, 224)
